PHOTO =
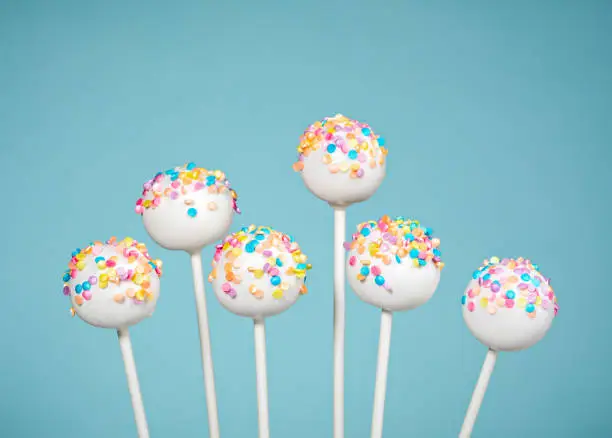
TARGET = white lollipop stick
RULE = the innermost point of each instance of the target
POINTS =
(262, 378)
(380, 389)
(132, 380)
(478, 395)
(207, 362)
(339, 319)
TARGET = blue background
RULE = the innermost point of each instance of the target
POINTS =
(497, 118)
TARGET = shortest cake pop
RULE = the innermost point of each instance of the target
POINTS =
(114, 284)
(394, 264)
(258, 272)
(508, 304)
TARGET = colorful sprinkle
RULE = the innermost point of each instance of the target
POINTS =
(351, 146)
(386, 241)
(136, 267)
(276, 251)
(183, 180)
(512, 283)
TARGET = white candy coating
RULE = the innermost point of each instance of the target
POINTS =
(506, 311)
(381, 270)
(187, 208)
(243, 280)
(352, 172)
(118, 296)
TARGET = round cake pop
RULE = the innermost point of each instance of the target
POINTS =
(509, 305)
(258, 272)
(188, 207)
(342, 161)
(114, 284)
(394, 264)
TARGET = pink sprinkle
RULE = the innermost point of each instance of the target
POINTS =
(471, 306)
(267, 253)
(274, 272)
(156, 202)
(231, 293)
(522, 286)
(226, 287)
(422, 255)
(375, 270)
(110, 263)
(87, 294)
(347, 245)
(352, 261)
(509, 304)
(174, 195)
(66, 290)
(93, 280)
(175, 184)
(139, 209)
(360, 173)
(198, 186)
(97, 250)
(73, 273)
(470, 293)
(362, 158)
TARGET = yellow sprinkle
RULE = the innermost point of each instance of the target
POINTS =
(278, 293)
(80, 265)
(140, 295)
(521, 302)
(72, 311)
(484, 303)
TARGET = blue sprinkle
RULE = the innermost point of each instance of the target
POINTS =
(381, 141)
(191, 166)
(414, 253)
(260, 236)
(365, 131)
(301, 266)
(409, 237)
(379, 280)
(463, 299)
(475, 274)
(210, 180)
(422, 262)
(530, 308)
(192, 212)
(413, 226)
(486, 277)
(249, 247)
(398, 259)
(331, 148)
(78, 289)
(279, 263)
(365, 231)
(364, 270)
(353, 154)
(275, 280)
(525, 277)
(510, 294)
(436, 252)
(66, 277)
(536, 281)
(174, 176)
(99, 259)
(428, 231)
(86, 285)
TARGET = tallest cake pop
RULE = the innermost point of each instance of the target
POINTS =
(342, 162)
(187, 208)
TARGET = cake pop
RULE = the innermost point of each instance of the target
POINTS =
(342, 162)
(187, 208)
(394, 265)
(115, 285)
(508, 306)
(259, 272)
